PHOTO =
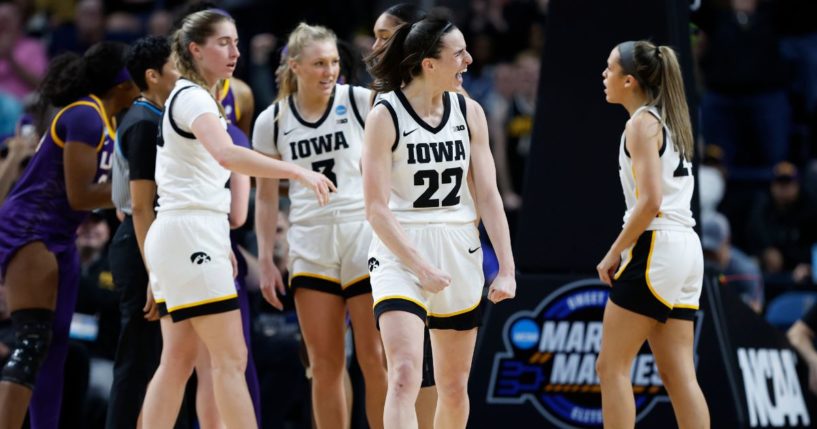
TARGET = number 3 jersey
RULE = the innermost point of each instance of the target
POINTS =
(677, 182)
(430, 163)
(332, 145)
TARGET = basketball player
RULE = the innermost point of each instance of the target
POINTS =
(66, 178)
(235, 97)
(134, 194)
(318, 124)
(425, 259)
(655, 266)
(384, 27)
(187, 248)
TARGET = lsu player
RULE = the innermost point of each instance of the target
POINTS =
(39, 263)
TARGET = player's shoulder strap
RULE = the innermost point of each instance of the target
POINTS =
(393, 114)
(169, 110)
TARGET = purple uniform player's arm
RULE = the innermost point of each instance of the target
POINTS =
(84, 134)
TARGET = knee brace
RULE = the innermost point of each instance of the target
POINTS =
(33, 330)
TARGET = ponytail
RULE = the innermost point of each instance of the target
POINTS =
(658, 74)
(673, 99)
(70, 76)
(400, 59)
(64, 81)
(385, 64)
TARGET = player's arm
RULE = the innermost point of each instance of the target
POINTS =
(239, 199)
(379, 136)
(83, 136)
(490, 203)
(266, 211)
(802, 339)
(643, 134)
(266, 223)
(208, 130)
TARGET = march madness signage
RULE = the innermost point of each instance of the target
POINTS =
(536, 356)
(549, 359)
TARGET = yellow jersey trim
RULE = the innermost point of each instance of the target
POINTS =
(315, 276)
(100, 110)
(456, 313)
(403, 297)
(203, 302)
(356, 280)
(689, 307)
(624, 267)
(647, 273)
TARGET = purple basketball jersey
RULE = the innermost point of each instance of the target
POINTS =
(37, 208)
(227, 99)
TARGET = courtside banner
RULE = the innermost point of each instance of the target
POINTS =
(766, 376)
(536, 355)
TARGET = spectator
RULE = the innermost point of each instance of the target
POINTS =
(87, 28)
(14, 154)
(22, 59)
(737, 271)
(781, 227)
(96, 289)
(745, 108)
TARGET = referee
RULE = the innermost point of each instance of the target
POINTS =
(134, 194)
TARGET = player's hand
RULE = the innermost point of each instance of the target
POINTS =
(433, 279)
(502, 288)
(151, 309)
(318, 183)
(271, 283)
(608, 266)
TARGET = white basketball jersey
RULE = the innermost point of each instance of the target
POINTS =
(187, 176)
(677, 181)
(430, 163)
(332, 145)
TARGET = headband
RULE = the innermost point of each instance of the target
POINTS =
(121, 76)
(626, 51)
(445, 28)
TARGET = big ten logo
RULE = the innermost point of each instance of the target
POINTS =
(550, 357)
(773, 393)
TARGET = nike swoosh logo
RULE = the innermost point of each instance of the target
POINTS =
(407, 133)
(287, 132)
(473, 250)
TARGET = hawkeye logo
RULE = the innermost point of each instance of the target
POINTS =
(550, 359)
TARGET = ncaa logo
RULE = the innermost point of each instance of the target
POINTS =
(549, 359)
(340, 110)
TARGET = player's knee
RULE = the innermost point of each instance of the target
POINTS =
(605, 367)
(229, 360)
(33, 331)
(327, 366)
(405, 375)
(179, 360)
(453, 390)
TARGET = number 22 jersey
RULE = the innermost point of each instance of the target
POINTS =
(430, 163)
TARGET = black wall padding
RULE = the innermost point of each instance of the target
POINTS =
(573, 204)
